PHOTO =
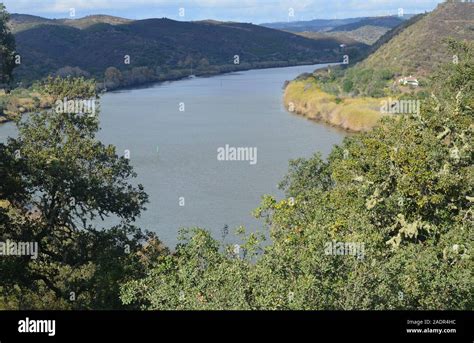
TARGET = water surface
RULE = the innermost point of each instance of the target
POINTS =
(175, 152)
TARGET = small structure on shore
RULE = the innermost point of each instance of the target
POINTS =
(409, 81)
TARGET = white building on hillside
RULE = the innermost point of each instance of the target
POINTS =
(409, 81)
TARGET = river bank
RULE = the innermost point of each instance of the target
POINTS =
(180, 74)
(304, 97)
(22, 100)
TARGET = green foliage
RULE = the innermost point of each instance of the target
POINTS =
(368, 82)
(357, 81)
(71, 88)
(301, 175)
(199, 275)
(403, 190)
(59, 179)
(7, 49)
(347, 86)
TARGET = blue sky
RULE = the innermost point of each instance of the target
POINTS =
(255, 11)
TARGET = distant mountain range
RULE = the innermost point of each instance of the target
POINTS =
(366, 34)
(158, 49)
(366, 30)
(315, 25)
(349, 24)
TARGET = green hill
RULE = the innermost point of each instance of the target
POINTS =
(368, 35)
(348, 24)
(387, 22)
(414, 49)
(421, 47)
(159, 49)
(366, 30)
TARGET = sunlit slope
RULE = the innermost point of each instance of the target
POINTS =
(421, 47)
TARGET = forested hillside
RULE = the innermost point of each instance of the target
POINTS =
(133, 52)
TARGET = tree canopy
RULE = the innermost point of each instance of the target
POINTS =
(7, 49)
(59, 180)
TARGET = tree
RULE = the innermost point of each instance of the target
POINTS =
(113, 78)
(71, 71)
(62, 182)
(7, 49)
(204, 63)
(347, 85)
(188, 62)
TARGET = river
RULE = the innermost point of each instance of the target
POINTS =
(172, 132)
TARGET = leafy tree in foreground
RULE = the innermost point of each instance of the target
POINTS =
(7, 49)
(60, 181)
(402, 192)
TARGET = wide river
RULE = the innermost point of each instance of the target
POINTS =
(172, 132)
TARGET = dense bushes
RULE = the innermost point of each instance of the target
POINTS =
(357, 82)
(7, 49)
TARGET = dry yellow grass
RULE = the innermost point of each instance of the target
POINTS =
(4, 203)
(352, 114)
(16, 105)
(27, 101)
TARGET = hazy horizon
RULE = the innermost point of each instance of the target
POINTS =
(253, 11)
